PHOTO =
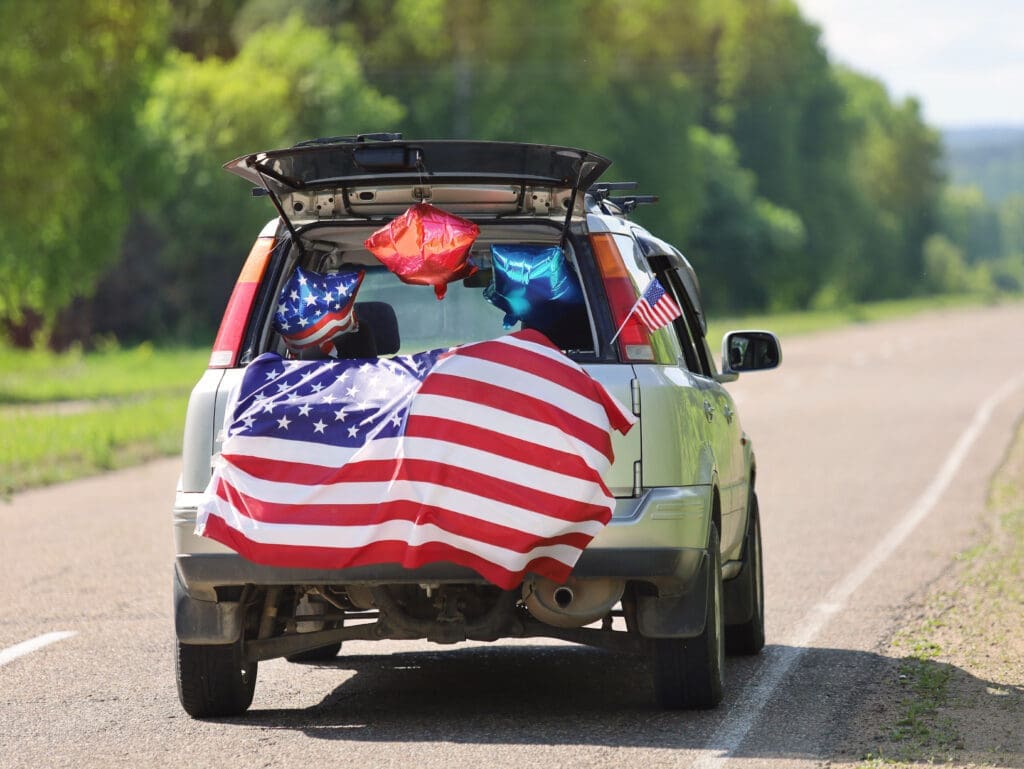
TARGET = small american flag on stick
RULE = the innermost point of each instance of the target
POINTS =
(655, 308)
(489, 455)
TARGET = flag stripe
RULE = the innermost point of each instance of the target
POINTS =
(326, 328)
(356, 499)
(526, 461)
(517, 406)
(352, 537)
(620, 417)
(410, 557)
(511, 426)
(321, 454)
(555, 393)
(469, 449)
(363, 523)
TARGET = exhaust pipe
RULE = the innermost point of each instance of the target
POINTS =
(576, 603)
(563, 597)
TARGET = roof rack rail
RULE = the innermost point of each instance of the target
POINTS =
(629, 203)
(601, 190)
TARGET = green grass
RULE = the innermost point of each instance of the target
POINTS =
(799, 323)
(41, 376)
(50, 445)
(67, 415)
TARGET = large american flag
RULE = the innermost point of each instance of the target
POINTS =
(488, 455)
(656, 308)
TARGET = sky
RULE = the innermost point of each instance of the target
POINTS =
(962, 59)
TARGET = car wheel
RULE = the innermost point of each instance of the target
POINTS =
(214, 680)
(688, 672)
(748, 637)
(320, 654)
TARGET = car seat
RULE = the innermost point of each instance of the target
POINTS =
(377, 333)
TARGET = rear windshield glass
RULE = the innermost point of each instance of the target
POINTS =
(464, 315)
(424, 321)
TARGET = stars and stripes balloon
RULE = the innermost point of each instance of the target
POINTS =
(314, 309)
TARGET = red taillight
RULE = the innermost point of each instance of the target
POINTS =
(232, 326)
(634, 340)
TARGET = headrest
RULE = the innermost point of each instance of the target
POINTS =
(380, 319)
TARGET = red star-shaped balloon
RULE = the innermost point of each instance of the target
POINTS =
(426, 246)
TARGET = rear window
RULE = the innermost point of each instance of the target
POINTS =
(424, 321)
(464, 315)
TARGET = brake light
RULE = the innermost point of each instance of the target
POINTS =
(232, 326)
(634, 341)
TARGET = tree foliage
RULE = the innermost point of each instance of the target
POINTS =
(286, 82)
(789, 181)
(72, 75)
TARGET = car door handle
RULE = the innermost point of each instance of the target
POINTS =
(709, 411)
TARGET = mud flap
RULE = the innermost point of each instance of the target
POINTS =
(678, 616)
(738, 592)
(205, 622)
(738, 595)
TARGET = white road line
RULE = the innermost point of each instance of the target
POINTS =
(12, 653)
(739, 720)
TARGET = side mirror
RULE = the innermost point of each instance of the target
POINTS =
(750, 351)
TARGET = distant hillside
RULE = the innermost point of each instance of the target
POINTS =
(989, 158)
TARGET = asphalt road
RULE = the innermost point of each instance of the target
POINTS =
(874, 448)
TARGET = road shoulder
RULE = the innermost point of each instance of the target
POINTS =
(953, 692)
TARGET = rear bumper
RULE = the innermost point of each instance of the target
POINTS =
(659, 537)
(671, 568)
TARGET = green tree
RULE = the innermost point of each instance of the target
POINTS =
(593, 73)
(287, 83)
(945, 271)
(894, 165)
(971, 222)
(778, 98)
(746, 249)
(1011, 225)
(71, 77)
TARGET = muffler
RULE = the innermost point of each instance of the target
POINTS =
(576, 603)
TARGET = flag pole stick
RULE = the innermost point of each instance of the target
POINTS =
(626, 319)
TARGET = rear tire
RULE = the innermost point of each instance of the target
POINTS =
(320, 654)
(688, 672)
(748, 637)
(214, 680)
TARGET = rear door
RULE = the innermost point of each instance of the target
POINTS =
(724, 434)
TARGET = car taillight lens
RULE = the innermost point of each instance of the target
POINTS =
(232, 326)
(634, 341)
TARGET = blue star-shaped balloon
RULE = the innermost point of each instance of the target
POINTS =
(532, 284)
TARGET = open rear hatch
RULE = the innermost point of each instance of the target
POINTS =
(381, 175)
